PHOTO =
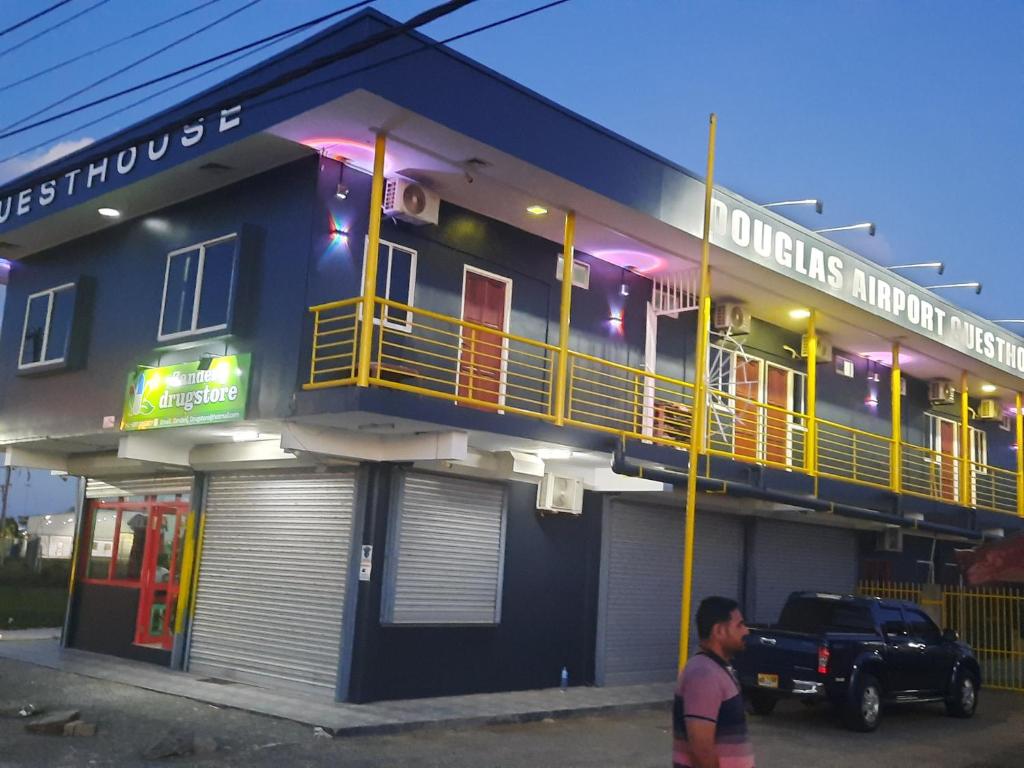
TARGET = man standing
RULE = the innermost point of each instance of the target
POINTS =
(709, 721)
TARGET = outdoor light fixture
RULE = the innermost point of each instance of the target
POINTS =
(616, 319)
(988, 388)
(975, 285)
(868, 225)
(342, 192)
(816, 203)
(206, 361)
(938, 266)
(549, 454)
(245, 435)
(623, 285)
(110, 213)
(536, 210)
(340, 233)
(799, 314)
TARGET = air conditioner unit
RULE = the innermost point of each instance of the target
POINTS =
(941, 392)
(409, 201)
(730, 316)
(990, 409)
(889, 540)
(824, 348)
(557, 493)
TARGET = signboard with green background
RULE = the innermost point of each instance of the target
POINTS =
(208, 391)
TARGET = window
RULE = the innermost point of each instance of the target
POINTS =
(580, 272)
(892, 621)
(445, 555)
(46, 335)
(117, 543)
(814, 615)
(199, 283)
(922, 627)
(396, 281)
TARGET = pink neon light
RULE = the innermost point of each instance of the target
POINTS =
(885, 358)
(338, 147)
(638, 260)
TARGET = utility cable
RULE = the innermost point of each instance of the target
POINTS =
(106, 46)
(52, 27)
(132, 65)
(39, 15)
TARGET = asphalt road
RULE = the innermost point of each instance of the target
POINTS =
(130, 719)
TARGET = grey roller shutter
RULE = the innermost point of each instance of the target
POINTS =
(789, 557)
(445, 552)
(113, 488)
(272, 578)
(641, 586)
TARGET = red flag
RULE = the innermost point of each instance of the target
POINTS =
(1000, 561)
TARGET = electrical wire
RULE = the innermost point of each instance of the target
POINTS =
(132, 65)
(106, 46)
(52, 27)
(39, 15)
(262, 89)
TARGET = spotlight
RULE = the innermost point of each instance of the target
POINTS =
(342, 192)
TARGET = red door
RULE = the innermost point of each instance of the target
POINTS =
(746, 431)
(947, 465)
(777, 422)
(160, 577)
(481, 363)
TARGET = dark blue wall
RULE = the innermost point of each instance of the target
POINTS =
(126, 265)
(548, 614)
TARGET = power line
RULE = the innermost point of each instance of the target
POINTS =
(262, 89)
(132, 65)
(52, 27)
(39, 15)
(111, 44)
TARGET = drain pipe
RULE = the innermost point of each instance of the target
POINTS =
(622, 466)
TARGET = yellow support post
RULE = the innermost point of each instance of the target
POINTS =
(896, 395)
(370, 273)
(568, 253)
(1020, 456)
(811, 435)
(194, 580)
(965, 443)
(697, 422)
(185, 572)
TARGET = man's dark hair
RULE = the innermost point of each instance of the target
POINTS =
(713, 610)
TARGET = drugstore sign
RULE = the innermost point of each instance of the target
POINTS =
(208, 391)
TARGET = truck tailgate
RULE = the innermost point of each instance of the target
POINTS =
(774, 658)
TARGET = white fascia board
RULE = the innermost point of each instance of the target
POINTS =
(152, 448)
(21, 457)
(424, 446)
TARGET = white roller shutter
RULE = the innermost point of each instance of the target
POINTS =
(445, 552)
(641, 586)
(789, 557)
(272, 579)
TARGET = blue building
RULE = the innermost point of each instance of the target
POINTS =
(397, 472)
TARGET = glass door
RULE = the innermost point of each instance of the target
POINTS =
(160, 574)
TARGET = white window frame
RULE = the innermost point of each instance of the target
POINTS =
(405, 327)
(51, 293)
(977, 453)
(194, 331)
(504, 339)
(578, 282)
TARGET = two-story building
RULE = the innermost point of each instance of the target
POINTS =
(430, 467)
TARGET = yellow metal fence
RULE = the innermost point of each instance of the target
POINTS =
(425, 352)
(989, 619)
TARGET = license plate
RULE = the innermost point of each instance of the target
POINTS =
(767, 681)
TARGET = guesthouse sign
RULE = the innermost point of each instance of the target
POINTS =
(209, 391)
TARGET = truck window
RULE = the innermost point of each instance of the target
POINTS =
(814, 616)
(921, 626)
(892, 621)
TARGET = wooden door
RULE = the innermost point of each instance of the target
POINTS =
(482, 356)
(776, 438)
(746, 428)
(947, 465)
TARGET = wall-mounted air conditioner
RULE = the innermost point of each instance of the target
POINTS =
(412, 202)
(731, 316)
(824, 348)
(889, 540)
(989, 409)
(941, 392)
(557, 493)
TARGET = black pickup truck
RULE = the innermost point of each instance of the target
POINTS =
(857, 653)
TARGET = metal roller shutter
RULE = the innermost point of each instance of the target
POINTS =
(792, 556)
(641, 586)
(113, 488)
(272, 579)
(445, 552)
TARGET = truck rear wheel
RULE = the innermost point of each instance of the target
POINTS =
(864, 709)
(762, 703)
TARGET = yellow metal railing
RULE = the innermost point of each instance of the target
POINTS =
(428, 353)
(989, 619)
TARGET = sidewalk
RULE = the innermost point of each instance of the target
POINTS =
(345, 719)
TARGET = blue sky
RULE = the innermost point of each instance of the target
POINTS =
(909, 114)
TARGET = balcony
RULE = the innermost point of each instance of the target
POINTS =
(430, 354)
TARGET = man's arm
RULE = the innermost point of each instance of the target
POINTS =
(700, 736)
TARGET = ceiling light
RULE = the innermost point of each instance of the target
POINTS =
(799, 314)
(987, 388)
(110, 213)
(553, 453)
(536, 210)
(245, 435)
